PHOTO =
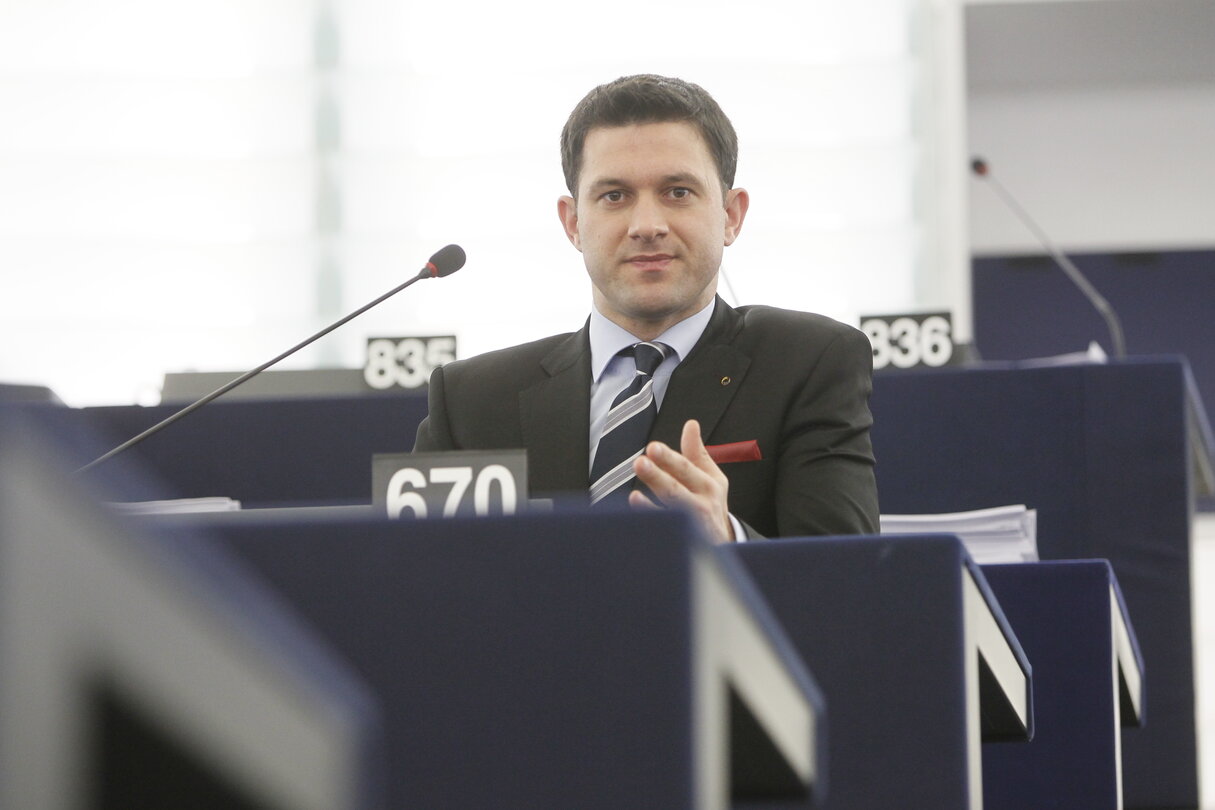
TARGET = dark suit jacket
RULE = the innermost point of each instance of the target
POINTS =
(797, 383)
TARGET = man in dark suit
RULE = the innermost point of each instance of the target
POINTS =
(649, 163)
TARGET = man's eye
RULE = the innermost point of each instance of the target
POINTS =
(681, 193)
(613, 196)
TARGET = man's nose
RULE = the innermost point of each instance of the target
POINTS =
(648, 219)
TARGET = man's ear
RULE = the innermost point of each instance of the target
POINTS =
(567, 209)
(737, 202)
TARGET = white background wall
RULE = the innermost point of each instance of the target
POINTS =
(1099, 116)
(198, 185)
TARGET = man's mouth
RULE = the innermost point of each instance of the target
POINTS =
(651, 261)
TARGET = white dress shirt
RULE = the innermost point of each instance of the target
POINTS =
(612, 372)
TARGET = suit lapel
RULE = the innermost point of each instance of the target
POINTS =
(703, 384)
(555, 418)
(555, 413)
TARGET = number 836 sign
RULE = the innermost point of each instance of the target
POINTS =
(907, 341)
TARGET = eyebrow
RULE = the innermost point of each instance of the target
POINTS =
(684, 178)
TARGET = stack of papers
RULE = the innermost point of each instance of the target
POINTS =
(1003, 534)
(181, 506)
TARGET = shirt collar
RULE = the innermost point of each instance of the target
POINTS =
(607, 338)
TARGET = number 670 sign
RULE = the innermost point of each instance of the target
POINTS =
(458, 482)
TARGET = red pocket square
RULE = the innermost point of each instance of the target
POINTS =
(735, 451)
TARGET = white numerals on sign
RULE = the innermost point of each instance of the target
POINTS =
(459, 478)
(405, 362)
(400, 498)
(936, 341)
(879, 336)
(508, 493)
(407, 490)
(908, 341)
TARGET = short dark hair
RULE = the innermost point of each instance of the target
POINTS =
(649, 99)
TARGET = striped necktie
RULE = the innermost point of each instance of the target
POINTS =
(627, 427)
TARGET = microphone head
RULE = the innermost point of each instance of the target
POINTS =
(979, 166)
(445, 262)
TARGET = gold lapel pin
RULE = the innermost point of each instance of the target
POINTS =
(725, 380)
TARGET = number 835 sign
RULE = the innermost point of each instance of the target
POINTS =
(405, 362)
(907, 341)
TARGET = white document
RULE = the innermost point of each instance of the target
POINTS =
(1001, 534)
(181, 506)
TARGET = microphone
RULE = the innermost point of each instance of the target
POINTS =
(979, 166)
(443, 263)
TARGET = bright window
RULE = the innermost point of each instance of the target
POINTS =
(198, 185)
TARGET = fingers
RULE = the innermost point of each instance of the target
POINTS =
(692, 467)
(669, 474)
(693, 447)
(639, 500)
(689, 478)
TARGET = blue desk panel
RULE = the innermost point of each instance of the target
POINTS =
(1103, 453)
(1065, 614)
(883, 624)
(542, 661)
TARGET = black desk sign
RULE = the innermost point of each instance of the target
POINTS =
(458, 482)
(405, 362)
(907, 341)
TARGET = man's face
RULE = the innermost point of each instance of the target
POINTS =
(651, 222)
